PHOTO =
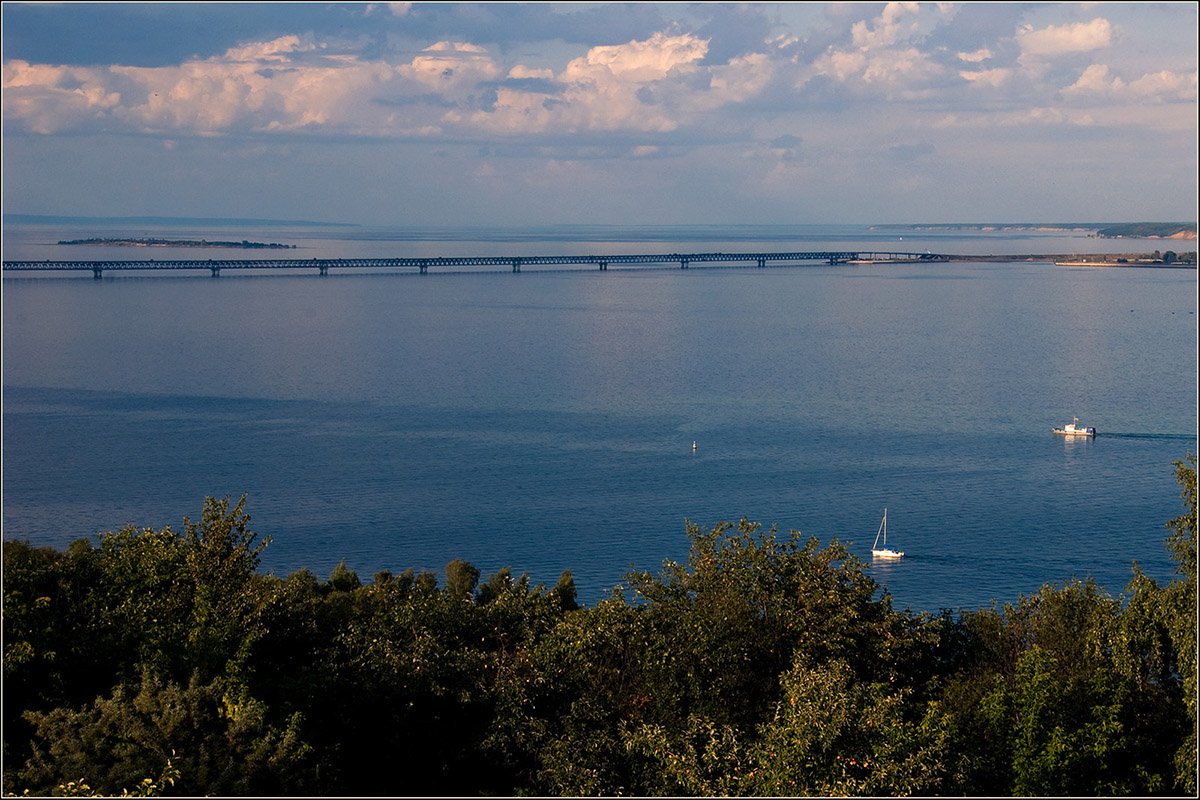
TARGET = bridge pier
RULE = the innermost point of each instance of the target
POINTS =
(323, 269)
(216, 271)
(683, 263)
(604, 266)
(762, 262)
(516, 265)
(96, 272)
(424, 268)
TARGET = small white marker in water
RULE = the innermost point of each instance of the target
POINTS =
(693, 445)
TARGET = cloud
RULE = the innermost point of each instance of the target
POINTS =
(1058, 40)
(661, 88)
(982, 54)
(278, 50)
(274, 85)
(652, 85)
(884, 56)
(897, 23)
(451, 67)
(610, 88)
(994, 78)
(639, 61)
(1166, 86)
(896, 74)
(1095, 80)
(743, 77)
(48, 99)
(292, 83)
(1098, 82)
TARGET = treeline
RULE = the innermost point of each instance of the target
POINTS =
(164, 662)
(1146, 229)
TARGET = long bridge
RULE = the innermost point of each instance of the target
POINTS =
(423, 265)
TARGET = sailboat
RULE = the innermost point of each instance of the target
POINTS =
(885, 551)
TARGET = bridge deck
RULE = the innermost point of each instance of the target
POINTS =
(323, 265)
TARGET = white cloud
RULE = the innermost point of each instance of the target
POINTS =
(290, 83)
(49, 99)
(982, 54)
(451, 66)
(1096, 79)
(898, 22)
(901, 68)
(1166, 86)
(897, 74)
(987, 77)
(643, 85)
(639, 61)
(1098, 82)
(741, 78)
(884, 55)
(654, 85)
(1056, 40)
(521, 71)
(255, 87)
(277, 50)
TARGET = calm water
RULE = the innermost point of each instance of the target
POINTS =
(545, 420)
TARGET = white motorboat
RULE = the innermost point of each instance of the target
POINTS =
(1073, 428)
(885, 551)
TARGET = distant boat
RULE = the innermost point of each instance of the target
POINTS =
(885, 551)
(1073, 428)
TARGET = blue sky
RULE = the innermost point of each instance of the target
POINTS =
(521, 114)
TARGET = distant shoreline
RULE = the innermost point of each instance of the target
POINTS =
(242, 245)
(1100, 230)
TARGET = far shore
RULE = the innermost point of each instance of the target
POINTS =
(1135, 260)
(131, 242)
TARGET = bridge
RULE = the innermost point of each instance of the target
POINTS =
(423, 265)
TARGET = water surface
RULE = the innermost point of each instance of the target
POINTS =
(545, 420)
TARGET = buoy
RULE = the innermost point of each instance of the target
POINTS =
(693, 446)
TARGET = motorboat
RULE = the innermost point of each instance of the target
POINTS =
(1073, 428)
(885, 551)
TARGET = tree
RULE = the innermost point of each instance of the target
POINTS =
(461, 579)
(1180, 612)
(835, 735)
(216, 745)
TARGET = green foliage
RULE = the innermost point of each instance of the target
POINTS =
(212, 742)
(461, 579)
(147, 787)
(835, 735)
(763, 664)
(1071, 691)
(343, 579)
(1179, 614)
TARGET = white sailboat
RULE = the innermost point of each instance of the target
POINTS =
(885, 551)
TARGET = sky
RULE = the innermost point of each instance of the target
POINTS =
(602, 113)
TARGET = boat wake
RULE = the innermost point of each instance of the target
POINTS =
(1178, 437)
